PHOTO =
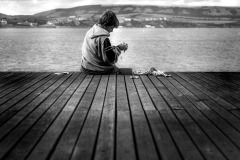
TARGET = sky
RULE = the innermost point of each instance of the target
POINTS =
(29, 7)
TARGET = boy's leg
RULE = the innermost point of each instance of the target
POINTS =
(125, 71)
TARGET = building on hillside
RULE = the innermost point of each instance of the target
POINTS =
(3, 22)
(53, 21)
(138, 19)
(147, 19)
(149, 26)
(81, 18)
(127, 19)
(33, 24)
(71, 18)
(49, 24)
(23, 24)
(121, 20)
(26, 24)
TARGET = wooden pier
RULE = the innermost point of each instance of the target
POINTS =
(189, 116)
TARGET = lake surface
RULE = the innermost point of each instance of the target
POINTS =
(59, 49)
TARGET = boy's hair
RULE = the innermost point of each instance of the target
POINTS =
(108, 18)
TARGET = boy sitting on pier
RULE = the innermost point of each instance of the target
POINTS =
(98, 55)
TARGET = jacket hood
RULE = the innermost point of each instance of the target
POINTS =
(97, 31)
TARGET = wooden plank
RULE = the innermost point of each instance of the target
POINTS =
(10, 124)
(135, 121)
(122, 99)
(16, 84)
(14, 121)
(232, 77)
(181, 98)
(227, 85)
(225, 127)
(20, 87)
(69, 138)
(201, 140)
(22, 92)
(220, 140)
(12, 107)
(229, 75)
(157, 98)
(86, 143)
(209, 93)
(8, 81)
(15, 81)
(70, 135)
(47, 143)
(169, 98)
(236, 113)
(183, 141)
(218, 135)
(144, 142)
(143, 94)
(5, 76)
(220, 90)
(224, 79)
(3, 73)
(10, 140)
(163, 139)
(105, 147)
(225, 114)
(124, 135)
(26, 144)
(184, 96)
(100, 95)
(204, 144)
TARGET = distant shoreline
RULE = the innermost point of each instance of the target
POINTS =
(121, 27)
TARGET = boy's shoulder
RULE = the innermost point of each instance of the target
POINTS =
(103, 38)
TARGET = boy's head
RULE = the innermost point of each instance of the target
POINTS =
(108, 19)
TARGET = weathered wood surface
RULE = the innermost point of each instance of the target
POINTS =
(193, 116)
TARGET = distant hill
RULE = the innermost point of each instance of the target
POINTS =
(141, 16)
(3, 15)
(135, 10)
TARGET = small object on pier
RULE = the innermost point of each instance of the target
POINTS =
(59, 73)
(134, 77)
(152, 71)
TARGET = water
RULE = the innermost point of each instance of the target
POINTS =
(59, 49)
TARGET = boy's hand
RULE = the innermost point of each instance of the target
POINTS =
(123, 46)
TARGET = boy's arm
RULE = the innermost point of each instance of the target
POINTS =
(110, 53)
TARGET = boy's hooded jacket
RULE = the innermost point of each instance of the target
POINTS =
(97, 53)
